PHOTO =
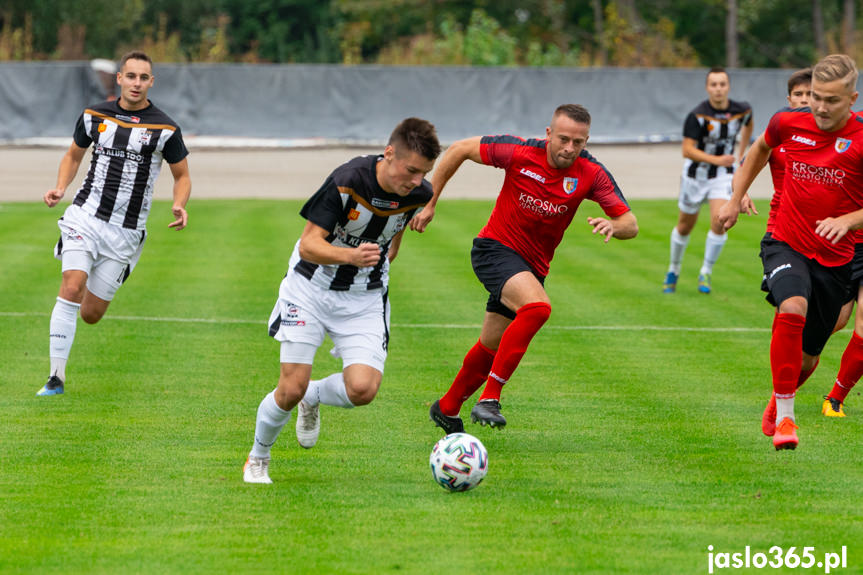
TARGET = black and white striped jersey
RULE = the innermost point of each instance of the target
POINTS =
(353, 207)
(128, 148)
(715, 132)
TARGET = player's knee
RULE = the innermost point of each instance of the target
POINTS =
(796, 305)
(362, 391)
(91, 316)
(288, 394)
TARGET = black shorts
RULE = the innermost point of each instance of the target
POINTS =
(787, 274)
(856, 272)
(493, 264)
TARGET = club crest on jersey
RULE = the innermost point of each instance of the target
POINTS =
(569, 185)
(841, 145)
(145, 137)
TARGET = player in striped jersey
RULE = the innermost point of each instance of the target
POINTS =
(546, 181)
(709, 135)
(102, 232)
(336, 285)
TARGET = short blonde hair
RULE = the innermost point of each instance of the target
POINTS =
(836, 67)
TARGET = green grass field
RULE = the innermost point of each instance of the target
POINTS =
(633, 442)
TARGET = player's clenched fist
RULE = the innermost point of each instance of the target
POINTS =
(366, 255)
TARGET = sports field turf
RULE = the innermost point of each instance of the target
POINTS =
(633, 442)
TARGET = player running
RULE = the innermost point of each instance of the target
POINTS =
(710, 133)
(546, 180)
(337, 285)
(102, 232)
(807, 260)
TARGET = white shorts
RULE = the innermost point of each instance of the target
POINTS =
(105, 252)
(694, 192)
(357, 322)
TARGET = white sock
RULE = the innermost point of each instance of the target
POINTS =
(64, 320)
(784, 408)
(329, 391)
(712, 249)
(269, 422)
(678, 248)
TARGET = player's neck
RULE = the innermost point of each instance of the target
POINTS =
(721, 105)
(132, 107)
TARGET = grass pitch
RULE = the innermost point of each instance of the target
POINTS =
(633, 443)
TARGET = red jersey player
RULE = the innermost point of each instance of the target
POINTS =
(807, 260)
(545, 182)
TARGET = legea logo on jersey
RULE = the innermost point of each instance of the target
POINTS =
(533, 175)
(569, 185)
(804, 140)
(841, 145)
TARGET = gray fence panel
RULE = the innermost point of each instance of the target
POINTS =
(361, 104)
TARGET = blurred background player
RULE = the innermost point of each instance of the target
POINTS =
(102, 232)
(807, 259)
(710, 132)
(545, 182)
(337, 284)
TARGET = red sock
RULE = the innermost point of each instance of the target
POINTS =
(804, 374)
(786, 353)
(528, 319)
(850, 368)
(474, 370)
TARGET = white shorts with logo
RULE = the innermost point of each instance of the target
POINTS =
(357, 322)
(695, 192)
(105, 252)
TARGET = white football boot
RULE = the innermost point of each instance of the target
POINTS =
(308, 424)
(256, 470)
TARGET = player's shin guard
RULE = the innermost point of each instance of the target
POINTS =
(678, 248)
(528, 320)
(712, 248)
(786, 356)
(329, 391)
(473, 373)
(64, 320)
(269, 423)
(850, 368)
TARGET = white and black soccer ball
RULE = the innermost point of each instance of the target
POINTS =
(459, 462)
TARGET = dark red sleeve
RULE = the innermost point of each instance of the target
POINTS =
(498, 151)
(773, 133)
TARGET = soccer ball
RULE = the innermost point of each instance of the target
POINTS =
(459, 462)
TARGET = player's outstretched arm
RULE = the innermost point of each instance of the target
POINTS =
(315, 248)
(622, 227)
(182, 191)
(454, 156)
(756, 159)
(65, 174)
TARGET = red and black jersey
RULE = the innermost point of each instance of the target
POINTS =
(823, 179)
(537, 201)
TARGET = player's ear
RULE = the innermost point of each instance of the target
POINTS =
(389, 152)
(854, 97)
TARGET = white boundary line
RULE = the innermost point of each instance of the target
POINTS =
(423, 325)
